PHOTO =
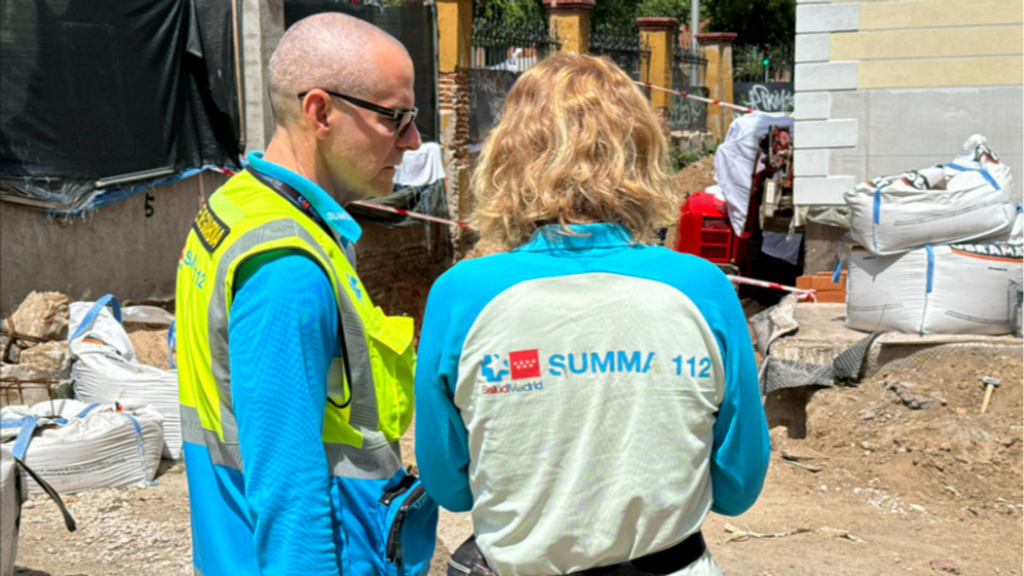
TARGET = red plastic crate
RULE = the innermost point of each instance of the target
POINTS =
(704, 229)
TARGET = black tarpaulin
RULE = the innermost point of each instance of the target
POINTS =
(93, 89)
(414, 26)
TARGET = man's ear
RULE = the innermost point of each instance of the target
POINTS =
(316, 109)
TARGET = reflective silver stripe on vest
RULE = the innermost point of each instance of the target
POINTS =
(379, 463)
(363, 414)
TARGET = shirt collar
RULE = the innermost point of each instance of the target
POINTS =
(591, 236)
(326, 207)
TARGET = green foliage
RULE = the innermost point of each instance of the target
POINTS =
(679, 158)
(620, 16)
(755, 21)
(513, 12)
(679, 9)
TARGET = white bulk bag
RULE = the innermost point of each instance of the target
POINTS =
(12, 494)
(964, 288)
(75, 446)
(967, 199)
(106, 369)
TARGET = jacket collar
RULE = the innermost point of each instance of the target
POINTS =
(326, 207)
(591, 236)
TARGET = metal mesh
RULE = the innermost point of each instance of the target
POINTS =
(894, 356)
(847, 367)
(863, 359)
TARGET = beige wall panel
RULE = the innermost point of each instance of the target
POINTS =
(975, 41)
(936, 13)
(941, 72)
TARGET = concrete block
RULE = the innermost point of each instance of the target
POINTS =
(827, 17)
(849, 104)
(825, 134)
(826, 76)
(813, 47)
(852, 161)
(812, 105)
(828, 190)
(811, 162)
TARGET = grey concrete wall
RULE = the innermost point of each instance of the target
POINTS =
(262, 25)
(907, 129)
(115, 249)
(885, 86)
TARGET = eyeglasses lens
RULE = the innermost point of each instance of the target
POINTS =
(404, 124)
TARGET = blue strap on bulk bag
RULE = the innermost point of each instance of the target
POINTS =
(837, 273)
(172, 344)
(93, 312)
(984, 173)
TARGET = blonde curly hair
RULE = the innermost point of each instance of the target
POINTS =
(577, 142)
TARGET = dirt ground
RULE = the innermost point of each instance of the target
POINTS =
(874, 487)
(693, 178)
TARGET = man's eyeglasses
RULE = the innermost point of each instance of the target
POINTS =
(403, 119)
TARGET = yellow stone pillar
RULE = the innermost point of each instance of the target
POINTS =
(570, 23)
(454, 34)
(718, 52)
(660, 35)
(455, 49)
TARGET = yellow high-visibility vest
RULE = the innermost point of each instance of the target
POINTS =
(371, 398)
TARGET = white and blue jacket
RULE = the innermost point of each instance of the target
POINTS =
(588, 398)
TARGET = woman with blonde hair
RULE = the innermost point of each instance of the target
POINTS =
(587, 396)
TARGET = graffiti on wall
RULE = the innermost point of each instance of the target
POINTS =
(764, 96)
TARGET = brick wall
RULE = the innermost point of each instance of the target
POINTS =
(453, 92)
(399, 265)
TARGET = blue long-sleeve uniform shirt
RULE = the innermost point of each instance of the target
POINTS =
(588, 398)
(284, 516)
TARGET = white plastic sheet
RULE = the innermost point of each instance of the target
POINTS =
(102, 449)
(734, 161)
(963, 288)
(11, 497)
(968, 198)
(106, 369)
(421, 167)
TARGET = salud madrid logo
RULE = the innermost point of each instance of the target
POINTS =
(519, 366)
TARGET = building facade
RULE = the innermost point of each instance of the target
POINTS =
(885, 86)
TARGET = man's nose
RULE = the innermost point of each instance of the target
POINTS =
(411, 140)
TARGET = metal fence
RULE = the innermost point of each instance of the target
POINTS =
(689, 70)
(498, 46)
(629, 52)
(748, 63)
(690, 67)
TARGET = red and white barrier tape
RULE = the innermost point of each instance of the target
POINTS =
(800, 293)
(698, 98)
(383, 208)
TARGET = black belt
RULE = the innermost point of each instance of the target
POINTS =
(467, 560)
(662, 562)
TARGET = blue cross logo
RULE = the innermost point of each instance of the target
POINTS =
(354, 284)
(492, 368)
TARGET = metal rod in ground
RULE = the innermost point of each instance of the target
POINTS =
(761, 283)
(383, 208)
(698, 98)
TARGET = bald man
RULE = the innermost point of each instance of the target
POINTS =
(294, 386)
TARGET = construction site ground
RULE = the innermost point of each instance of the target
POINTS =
(934, 490)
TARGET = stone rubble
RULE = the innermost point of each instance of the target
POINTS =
(43, 315)
(117, 530)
